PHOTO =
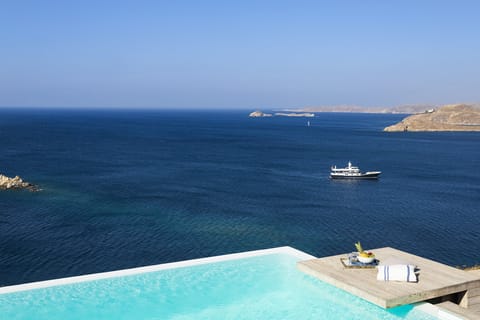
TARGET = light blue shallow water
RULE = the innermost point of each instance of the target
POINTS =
(262, 287)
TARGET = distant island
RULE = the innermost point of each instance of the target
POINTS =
(16, 183)
(305, 114)
(456, 117)
(258, 113)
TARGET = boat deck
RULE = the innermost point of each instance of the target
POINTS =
(435, 280)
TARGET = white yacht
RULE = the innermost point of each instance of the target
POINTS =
(352, 172)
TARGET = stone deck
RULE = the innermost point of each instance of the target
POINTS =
(435, 280)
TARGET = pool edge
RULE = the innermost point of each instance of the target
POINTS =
(152, 268)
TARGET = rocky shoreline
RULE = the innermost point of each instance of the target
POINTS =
(16, 182)
(458, 117)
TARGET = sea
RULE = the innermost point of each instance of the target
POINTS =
(127, 188)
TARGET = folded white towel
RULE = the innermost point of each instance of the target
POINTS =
(397, 272)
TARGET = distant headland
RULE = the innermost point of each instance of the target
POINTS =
(16, 183)
(456, 117)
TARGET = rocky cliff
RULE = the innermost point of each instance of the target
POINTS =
(15, 183)
(458, 117)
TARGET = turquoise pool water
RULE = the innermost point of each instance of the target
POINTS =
(260, 287)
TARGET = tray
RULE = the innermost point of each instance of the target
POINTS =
(351, 264)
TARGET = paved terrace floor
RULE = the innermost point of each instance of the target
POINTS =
(435, 280)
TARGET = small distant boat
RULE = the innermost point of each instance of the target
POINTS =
(352, 172)
(308, 123)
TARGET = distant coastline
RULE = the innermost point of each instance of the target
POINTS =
(310, 111)
(455, 117)
(404, 109)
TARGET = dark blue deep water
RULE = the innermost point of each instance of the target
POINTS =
(132, 188)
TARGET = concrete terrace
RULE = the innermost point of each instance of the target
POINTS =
(437, 282)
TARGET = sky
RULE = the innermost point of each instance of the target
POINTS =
(238, 54)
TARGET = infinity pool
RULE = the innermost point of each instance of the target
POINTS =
(264, 285)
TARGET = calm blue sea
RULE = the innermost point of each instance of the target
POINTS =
(125, 188)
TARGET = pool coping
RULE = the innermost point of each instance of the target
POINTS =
(438, 312)
(152, 268)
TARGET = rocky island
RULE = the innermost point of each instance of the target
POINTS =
(256, 114)
(16, 183)
(292, 114)
(456, 117)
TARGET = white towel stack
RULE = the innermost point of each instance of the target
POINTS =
(397, 272)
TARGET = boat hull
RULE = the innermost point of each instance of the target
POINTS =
(362, 176)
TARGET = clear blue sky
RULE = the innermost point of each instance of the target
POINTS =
(238, 54)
